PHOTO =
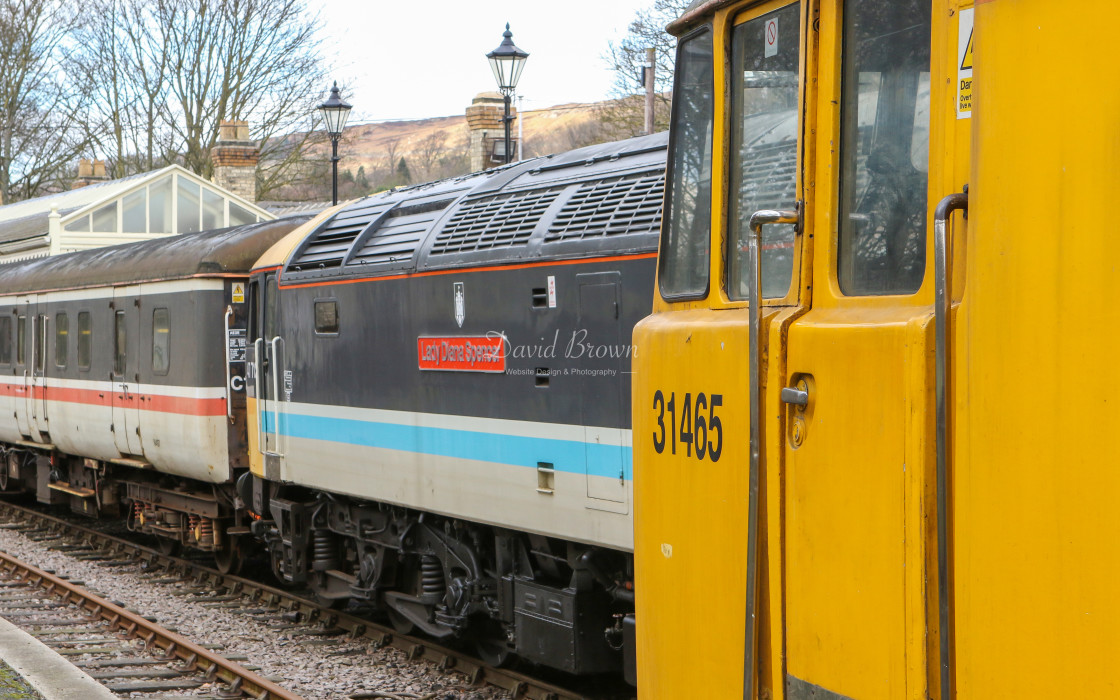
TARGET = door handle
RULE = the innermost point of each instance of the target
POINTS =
(795, 396)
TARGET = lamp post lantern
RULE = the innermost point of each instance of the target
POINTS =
(335, 111)
(507, 61)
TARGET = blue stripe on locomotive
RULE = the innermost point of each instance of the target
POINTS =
(569, 456)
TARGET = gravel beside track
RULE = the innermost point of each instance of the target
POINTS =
(315, 666)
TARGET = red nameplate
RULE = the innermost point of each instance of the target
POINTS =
(470, 354)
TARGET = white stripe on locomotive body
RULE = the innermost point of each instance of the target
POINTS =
(188, 392)
(456, 465)
(105, 293)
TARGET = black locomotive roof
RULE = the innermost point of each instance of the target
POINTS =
(594, 201)
(222, 251)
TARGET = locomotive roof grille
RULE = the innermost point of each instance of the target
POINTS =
(327, 247)
(502, 220)
(398, 235)
(622, 205)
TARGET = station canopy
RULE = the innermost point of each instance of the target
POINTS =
(163, 202)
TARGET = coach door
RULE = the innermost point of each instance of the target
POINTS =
(23, 366)
(860, 555)
(125, 370)
(37, 394)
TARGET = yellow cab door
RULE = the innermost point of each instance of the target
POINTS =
(859, 498)
(703, 518)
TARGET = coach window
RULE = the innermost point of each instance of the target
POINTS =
(326, 317)
(161, 341)
(120, 344)
(61, 339)
(884, 147)
(5, 340)
(686, 233)
(21, 340)
(85, 339)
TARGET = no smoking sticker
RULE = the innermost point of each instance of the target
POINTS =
(964, 65)
(771, 38)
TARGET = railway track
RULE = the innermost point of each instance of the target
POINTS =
(286, 609)
(131, 654)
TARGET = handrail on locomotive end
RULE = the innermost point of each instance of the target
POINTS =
(229, 379)
(943, 301)
(754, 299)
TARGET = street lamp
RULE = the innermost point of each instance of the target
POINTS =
(335, 111)
(507, 61)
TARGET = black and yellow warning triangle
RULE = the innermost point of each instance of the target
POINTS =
(966, 61)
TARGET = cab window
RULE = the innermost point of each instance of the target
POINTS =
(764, 146)
(686, 231)
(884, 147)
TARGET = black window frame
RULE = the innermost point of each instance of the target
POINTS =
(667, 213)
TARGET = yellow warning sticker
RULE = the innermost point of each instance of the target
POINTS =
(238, 293)
(964, 64)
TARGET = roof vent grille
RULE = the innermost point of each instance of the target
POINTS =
(622, 205)
(502, 220)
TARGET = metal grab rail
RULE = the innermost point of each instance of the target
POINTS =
(943, 301)
(229, 378)
(754, 299)
(276, 394)
(258, 348)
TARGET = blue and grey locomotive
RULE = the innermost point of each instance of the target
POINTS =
(440, 395)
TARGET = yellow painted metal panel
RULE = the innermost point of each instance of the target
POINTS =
(1037, 385)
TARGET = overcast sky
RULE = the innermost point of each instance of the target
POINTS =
(427, 58)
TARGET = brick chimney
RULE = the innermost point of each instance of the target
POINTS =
(90, 172)
(484, 119)
(235, 160)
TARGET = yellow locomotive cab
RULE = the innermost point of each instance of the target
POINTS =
(878, 482)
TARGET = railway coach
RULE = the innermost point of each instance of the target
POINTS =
(914, 494)
(439, 402)
(122, 382)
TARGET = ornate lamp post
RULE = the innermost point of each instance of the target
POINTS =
(335, 111)
(507, 61)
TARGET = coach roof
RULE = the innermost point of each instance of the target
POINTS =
(219, 252)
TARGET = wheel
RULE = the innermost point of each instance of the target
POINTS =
(490, 643)
(167, 546)
(229, 560)
(400, 623)
(10, 465)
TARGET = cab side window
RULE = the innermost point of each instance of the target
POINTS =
(884, 147)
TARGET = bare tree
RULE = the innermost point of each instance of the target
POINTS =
(256, 60)
(39, 135)
(428, 153)
(625, 114)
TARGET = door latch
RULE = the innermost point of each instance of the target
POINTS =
(796, 395)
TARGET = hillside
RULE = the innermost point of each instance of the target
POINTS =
(370, 154)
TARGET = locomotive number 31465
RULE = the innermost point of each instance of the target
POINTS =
(699, 429)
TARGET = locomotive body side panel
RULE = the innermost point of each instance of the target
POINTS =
(450, 441)
(1036, 558)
